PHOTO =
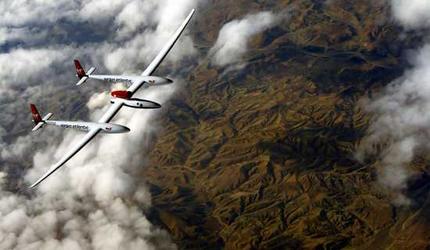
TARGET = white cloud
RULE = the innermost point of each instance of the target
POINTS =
(134, 15)
(99, 10)
(144, 46)
(23, 65)
(233, 38)
(402, 120)
(412, 13)
(17, 13)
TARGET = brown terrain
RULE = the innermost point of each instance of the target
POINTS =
(264, 158)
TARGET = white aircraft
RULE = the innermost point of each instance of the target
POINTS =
(109, 128)
(84, 76)
(119, 98)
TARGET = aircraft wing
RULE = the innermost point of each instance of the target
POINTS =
(113, 110)
(87, 138)
(166, 49)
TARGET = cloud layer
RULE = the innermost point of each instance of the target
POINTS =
(99, 201)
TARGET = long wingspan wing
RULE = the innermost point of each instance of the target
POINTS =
(87, 138)
(113, 110)
(169, 45)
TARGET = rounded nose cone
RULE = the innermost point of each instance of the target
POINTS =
(146, 104)
(125, 129)
(120, 129)
(154, 105)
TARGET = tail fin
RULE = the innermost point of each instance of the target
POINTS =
(80, 72)
(37, 119)
(35, 114)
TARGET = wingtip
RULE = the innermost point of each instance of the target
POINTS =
(36, 183)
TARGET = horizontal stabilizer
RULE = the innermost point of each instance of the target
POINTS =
(91, 70)
(47, 117)
(38, 126)
(83, 79)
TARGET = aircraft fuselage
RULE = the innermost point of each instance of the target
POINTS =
(87, 126)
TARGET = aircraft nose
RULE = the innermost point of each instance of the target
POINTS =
(119, 129)
(124, 129)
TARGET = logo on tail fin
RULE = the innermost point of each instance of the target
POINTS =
(35, 114)
(80, 72)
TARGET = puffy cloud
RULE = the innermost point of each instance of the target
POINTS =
(144, 46)
(16, 13)
(412, 13)
(98, 10)
(402, 120)
(134, 15)
(21, 66)
(233, 38)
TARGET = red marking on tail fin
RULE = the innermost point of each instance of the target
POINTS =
(79, 69)
(35, 114)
